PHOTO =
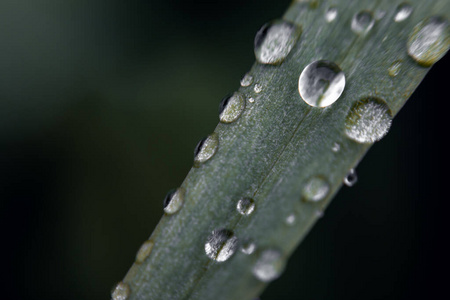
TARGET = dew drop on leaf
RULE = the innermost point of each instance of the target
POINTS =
(121, 291)
(245, 206)
(269, 266)
(173, 201)
(362, 22)
(403, 12)
(351, 178)
(144, 251)
(221, 245)
(321, 83)
(205, 149)
(231, 108)
(315, 189)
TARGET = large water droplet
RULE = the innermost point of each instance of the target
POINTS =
(269, 265)
(315, 189)
(321, 83)
(121, 291)
(231, 108)
(245, 206)
(362, 22)
(274, 41)
(403, 11)
(205, 149)
(368, 121)
(246, 80)
(221, 245)
(429, 41)
(394, 69)
(248, 247)
(351, 178)
(173, 201)
(331, 14)
(144, 251)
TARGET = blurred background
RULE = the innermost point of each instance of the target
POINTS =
(101, 105)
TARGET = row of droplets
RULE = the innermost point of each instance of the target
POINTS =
(321, 83)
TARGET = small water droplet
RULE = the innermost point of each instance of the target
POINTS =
(403, 11)
(144, 251)
(231, 107)
(336, 147)
(269, 265)
(248, 248)
(321, 83)
(429, 41)
(319, 213)
(257, 88)
(173, 201)
(290, 220)
(362, 22)
(205, 149)
(275, 40)
(394, 69)
(331, 14)
(245, 206)
(251, 100)
(221, 245)
(246, 80)
(315, 189)
(121, 291)
(351, 179)
(368, 121)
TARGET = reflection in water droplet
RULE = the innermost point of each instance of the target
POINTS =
(120, 292)
(247, 80)
(231, 107)
(257, 88)
(362, 22)
(173, 201)
(321, 83)
(394, 69)
(248, 248)
(351, 178)
(331, 14)
(221, 245)
(269, 265)
(144, 251)
(245, 206)
(404, 10)
(368, 121)
(251, 100)
(429, 41)
(315, 189)
(205, 149)
(274, 41)
(336, 147)
(290, 220)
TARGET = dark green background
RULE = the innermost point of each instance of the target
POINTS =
(101, 105)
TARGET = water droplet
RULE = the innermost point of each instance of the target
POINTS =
(274, 41)
(336, 147)
(257, 88)
(362, 22)
(429, 41)
(144, 251)
(251, 100)
(173, 201)
(231, 107)
(404, 10)
(368, 121)
(351, 179)
(248, 248)
(394, 69)
(246, 80)
(331, 14)
(315, 189)
(269, 265)
(245, 206)
(205, 149)
(321, 83)
(319, 213)
(121, 291)
(221, 245)
(290, 220)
